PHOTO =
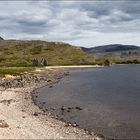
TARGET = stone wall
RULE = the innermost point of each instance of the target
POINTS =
(37, 62)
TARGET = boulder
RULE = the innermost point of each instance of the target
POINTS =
(3, 124)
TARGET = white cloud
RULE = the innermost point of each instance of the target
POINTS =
(80, 23)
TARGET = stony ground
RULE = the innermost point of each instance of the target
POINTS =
(21, 119)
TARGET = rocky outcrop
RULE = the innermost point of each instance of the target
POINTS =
(31, 79)
(22, 80)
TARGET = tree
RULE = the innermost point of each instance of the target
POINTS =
(135, 61)
(107, 62)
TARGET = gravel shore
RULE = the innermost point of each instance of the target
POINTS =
(20, 118)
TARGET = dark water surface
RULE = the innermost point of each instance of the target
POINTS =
(109, 98)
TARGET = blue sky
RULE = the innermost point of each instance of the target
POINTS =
(80, 23)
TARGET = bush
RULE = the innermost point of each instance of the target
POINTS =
(36, 50)
(107, 62)
(135, 61)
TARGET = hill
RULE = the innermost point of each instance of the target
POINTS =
(115, 53)
(21, 53)
(110, 48)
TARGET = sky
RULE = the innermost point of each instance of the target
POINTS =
(81, 23)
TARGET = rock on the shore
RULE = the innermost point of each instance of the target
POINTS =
(3, 124)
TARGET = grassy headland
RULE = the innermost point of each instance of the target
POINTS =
(17, 53)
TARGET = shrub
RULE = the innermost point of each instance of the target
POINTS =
(106, 62)
(35, 50)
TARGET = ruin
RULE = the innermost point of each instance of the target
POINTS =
(37, 62)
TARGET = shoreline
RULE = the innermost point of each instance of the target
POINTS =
(74, 66)
(26, 120)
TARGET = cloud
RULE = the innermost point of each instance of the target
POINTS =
(81, 23)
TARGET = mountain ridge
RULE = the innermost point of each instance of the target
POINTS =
(110, 48)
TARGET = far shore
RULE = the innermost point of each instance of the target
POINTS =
(20, 118)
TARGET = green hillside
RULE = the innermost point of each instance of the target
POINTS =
(21, 53)
(115, 53)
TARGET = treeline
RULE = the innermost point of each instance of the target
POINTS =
(105, 62)
(135, 61)
(108, 62)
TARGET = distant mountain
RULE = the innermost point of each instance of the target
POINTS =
(110, 48)
(1, 38)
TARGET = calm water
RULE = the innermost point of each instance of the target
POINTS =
(109, 98)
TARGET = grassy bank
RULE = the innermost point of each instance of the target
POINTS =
(15, 70)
